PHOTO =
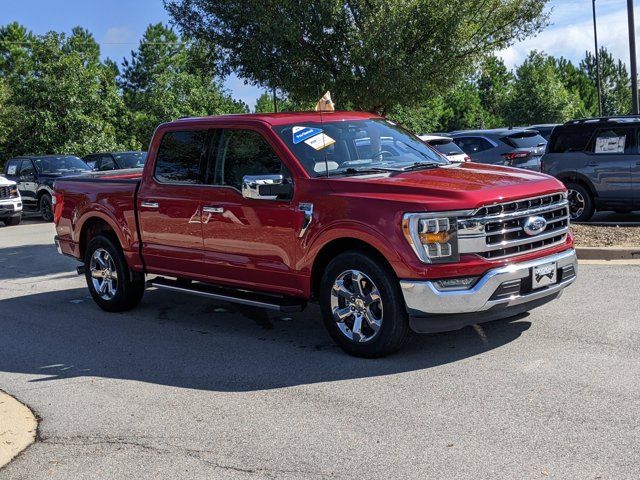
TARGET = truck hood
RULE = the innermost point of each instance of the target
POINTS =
(451, 187)
(4, 182)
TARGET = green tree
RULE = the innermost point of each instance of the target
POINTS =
(615, 80)
(60, 98)
(264, 104)
(167, 78)
(372, 54)
(539, 95)
(495, 83)
(578, 82)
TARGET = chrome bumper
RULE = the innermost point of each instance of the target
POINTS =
(424, 299)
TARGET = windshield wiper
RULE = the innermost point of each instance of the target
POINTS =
(420, 165)
(362, 171)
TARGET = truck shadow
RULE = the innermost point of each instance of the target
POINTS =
(33, 261)
(190, 342)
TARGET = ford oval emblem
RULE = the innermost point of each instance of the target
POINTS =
(534, 225)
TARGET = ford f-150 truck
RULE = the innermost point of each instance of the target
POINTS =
(344, 208)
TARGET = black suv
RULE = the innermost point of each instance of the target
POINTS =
(115, 160)
(512, 147)
(35, 176)
(598, 159)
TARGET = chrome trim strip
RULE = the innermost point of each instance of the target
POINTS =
(424, 297)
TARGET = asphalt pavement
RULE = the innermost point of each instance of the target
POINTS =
(184, 387)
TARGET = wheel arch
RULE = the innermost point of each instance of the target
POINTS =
(575, 177)
(93, 226)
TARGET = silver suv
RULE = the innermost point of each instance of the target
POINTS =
(599, 161)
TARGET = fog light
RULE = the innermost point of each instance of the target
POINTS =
(463, 283)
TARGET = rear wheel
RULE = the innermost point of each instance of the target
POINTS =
(362, 306)
(113, 286)
(581, 205)
(46, 208)
(13, 221)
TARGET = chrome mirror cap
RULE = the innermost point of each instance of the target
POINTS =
(251, 185)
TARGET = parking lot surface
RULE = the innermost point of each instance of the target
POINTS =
(184, 387)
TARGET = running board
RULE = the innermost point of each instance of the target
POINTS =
(226, 294)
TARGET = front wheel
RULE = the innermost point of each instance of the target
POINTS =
(113, 286)
(362, 305)
(581, 204)
(13, 221)
(46, 208)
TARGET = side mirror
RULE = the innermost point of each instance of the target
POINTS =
(265, 187)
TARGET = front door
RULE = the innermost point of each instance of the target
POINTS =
(28, 183)
(608, 165)
(169, 205)
(248, 242)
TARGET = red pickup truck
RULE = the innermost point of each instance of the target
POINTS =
(344, 208)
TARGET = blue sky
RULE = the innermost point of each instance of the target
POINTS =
(119, 24)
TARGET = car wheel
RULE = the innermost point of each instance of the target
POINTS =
(45, 208)
(13, 221)
(581, 205)
(362, 305)
(113, 286)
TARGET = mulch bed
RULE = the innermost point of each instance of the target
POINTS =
(606, 236)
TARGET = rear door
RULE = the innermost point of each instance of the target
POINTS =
(169, 204)
(478, 148)
(248, 242)
(611, 154)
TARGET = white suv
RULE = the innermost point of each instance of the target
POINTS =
(10, 202)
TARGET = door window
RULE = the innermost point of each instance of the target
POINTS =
(180, 157)
(106, 163)
(613, 141)
(26, 169)
(245, 152)
(471, 145)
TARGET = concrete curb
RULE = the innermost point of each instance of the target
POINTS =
(608, 253)
(18, 428)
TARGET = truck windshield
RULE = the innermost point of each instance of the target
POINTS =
(350, 147)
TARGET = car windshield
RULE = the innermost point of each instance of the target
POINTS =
(356, 147)
(61, 164)
(525, 140)
(131, 159)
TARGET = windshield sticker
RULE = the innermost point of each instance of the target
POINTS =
(320, 141)
(610, 144)
(12, 169)
(300, 134)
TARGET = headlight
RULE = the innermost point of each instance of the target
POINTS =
(13, 192)
(432, 236)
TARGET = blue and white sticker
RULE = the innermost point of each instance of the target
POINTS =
(300, 134)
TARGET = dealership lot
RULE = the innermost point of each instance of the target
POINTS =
(184, 387)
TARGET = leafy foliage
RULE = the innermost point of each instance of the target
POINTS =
(372, 54)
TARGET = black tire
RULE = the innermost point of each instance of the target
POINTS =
(12, 221)
(393, 329)
(581, 204)
(45, 206)
(129, 286)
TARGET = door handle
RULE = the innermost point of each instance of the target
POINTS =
(212, 209)
(149, 205)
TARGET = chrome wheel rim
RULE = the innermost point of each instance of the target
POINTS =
(577, 204)
(356, 306)
(104, 275)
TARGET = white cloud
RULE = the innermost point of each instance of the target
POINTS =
(119, 35)
(571, 32)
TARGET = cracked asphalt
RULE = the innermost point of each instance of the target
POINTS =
(184, 387)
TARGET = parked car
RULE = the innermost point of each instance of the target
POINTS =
(446, 147)
(503, 146)
(544, 129)
(10, 202)
(35, 176)
(115, 160)
(597, 159)
(276, 210)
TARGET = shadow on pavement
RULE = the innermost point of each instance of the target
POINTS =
(34, 261)
(184, 341)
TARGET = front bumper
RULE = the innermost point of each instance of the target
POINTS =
(10, 207)
(499, 293)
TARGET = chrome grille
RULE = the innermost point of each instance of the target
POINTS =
(497, 231)
(5, 192)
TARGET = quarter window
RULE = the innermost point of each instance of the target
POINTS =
(245, 152)
(613, 140)
(180, 157)
(471, 145)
